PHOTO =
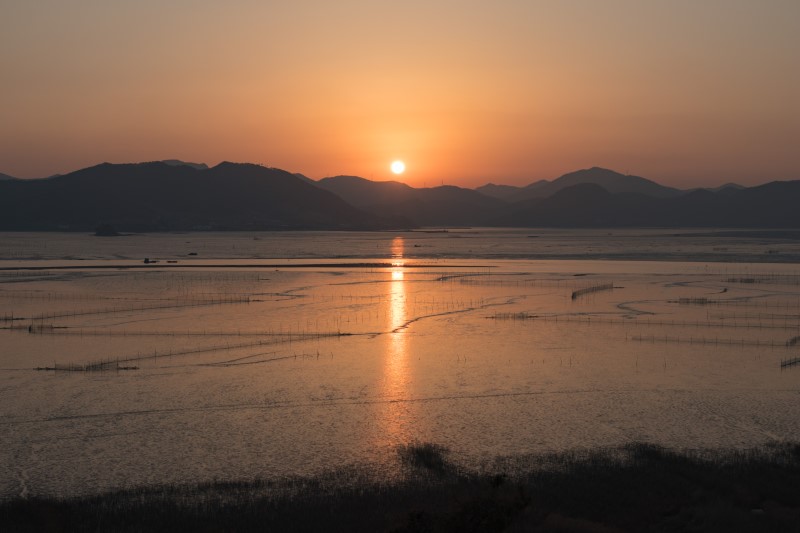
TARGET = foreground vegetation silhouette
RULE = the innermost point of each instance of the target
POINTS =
(633, 488)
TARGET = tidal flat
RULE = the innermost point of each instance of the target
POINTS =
(238, 358)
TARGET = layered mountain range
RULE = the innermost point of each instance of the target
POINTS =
(173, 195)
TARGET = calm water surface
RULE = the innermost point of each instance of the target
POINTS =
(240, 362)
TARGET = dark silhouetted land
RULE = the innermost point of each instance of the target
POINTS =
(639, 487)
(172, 195)
(436, 206)
(161, 196)
(611, 181)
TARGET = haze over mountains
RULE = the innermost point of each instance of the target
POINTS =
(173, 195)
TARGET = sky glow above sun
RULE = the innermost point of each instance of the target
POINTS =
(683, 92)
(398, 167)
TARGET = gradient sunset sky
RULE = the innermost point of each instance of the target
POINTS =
(688, 93)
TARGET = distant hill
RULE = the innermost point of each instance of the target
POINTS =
(173, 195)
(501, 192)
(4, 177)
(581, 205)
(363, 193)
(436, 206)
(773, 205)
(727, 187)
(179, 163)
(537, 185)
(613, 182)
(160, 196)
(302, 177)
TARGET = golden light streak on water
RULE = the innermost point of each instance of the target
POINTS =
(396, 369)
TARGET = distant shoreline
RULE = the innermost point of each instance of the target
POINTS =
(775, 259)
(276, 266)
(463, 247)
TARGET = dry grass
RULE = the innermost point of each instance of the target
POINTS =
(634, 488)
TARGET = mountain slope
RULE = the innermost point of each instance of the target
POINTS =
(581, 205)
(363, 193)
(169, 196)
(501, 192)
(613, 182)
(773, 205)
(436, 206)
(303, 177)
(160, 196)
(178, 163)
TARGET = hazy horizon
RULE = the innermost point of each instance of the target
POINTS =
(685, 94)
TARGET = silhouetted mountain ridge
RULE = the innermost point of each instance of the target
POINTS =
(501, 192)
(612, 181)
(363, 193)
(178, 163)
(159, 196)
(773, 205)
(445, 205)
(173, 195)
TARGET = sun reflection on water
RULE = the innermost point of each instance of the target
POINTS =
(396, 371)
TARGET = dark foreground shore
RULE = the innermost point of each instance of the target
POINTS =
(638, 487)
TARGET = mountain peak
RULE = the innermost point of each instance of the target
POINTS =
(231, 164)
(179, 163)
(594, 174)
(611, 180)
(156, 196)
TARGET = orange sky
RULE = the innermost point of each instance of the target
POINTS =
(687, 93)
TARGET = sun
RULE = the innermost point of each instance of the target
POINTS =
(398, 167)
